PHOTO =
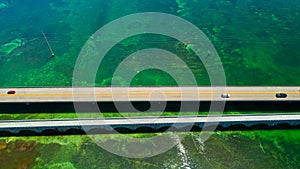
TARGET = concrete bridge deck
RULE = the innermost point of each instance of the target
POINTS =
(149, 124)
(102, 94)
(35, 100)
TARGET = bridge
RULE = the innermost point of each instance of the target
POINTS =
(149, 124)
(51, 100)
(103, 94)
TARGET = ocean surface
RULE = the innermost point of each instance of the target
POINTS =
(257, 41)
(224, 150)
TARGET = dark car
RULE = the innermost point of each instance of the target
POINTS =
(281, 95)
(11, 92)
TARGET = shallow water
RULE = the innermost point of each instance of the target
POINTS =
(247, 149)
(257, 40)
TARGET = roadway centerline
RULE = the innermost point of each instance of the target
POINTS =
(149, 93)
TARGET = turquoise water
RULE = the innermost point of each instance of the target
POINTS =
(257, 40)
(253, 149)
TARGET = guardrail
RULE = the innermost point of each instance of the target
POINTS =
(148, 124)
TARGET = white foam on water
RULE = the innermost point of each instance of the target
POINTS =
(182, 152)
(201, 142)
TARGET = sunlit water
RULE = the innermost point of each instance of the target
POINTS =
(258, 43)
(247, 149)
(257, 40)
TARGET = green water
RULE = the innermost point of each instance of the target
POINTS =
(257, 40)
(253, 149)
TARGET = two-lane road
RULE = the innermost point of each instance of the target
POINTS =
(149, 94)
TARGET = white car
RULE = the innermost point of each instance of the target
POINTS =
(225, 95)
